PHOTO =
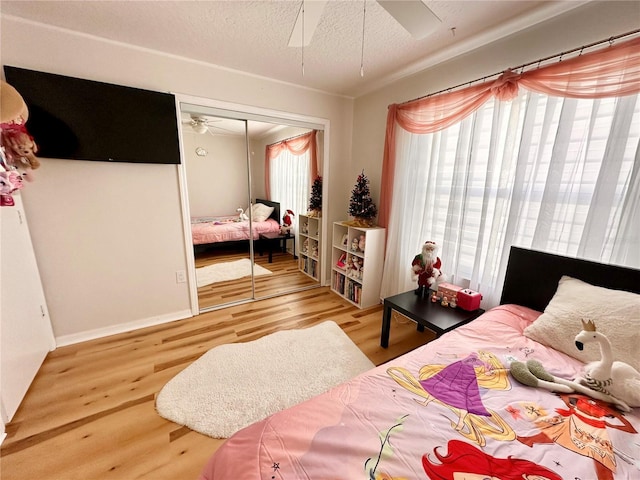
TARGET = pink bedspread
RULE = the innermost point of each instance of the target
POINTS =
(226, 229)
(383, 425)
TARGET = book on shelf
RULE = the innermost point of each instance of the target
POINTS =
(310, 266)
(338, 282)
(353, 292)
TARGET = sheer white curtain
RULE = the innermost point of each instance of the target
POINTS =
(289, 181)
(553, 174)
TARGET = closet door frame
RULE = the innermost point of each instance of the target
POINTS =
(248, 113)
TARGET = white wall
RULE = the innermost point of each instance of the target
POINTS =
(108, 237)
(218, 182)
(590, 23)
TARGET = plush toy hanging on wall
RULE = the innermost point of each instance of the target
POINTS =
(17, 147)
(425, 267)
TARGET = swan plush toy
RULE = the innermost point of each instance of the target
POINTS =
(615, 378)
(242, 217)
(607, 380)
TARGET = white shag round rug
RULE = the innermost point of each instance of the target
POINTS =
(234, 385)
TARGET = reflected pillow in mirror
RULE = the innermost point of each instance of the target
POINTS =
(261, 212)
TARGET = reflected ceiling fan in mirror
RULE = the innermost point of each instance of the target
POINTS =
(201, 124)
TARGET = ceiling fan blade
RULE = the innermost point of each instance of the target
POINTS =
(312, 13)
(413, 15)
(235, 132)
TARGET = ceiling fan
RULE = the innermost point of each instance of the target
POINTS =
(200, 124)
(413, 15)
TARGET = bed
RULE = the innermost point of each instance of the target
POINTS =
(206, 231)
(452, 406)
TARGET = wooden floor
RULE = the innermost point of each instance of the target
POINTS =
(90, 411)
(285, 277)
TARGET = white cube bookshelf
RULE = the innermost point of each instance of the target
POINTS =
(309, 230)
(356, 274)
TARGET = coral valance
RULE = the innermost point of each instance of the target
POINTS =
(297, 146)
(613, 71)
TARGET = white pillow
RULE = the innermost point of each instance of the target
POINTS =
(615, 313)
(261, 212)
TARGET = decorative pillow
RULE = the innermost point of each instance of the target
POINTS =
(616, 314)
(261, 212)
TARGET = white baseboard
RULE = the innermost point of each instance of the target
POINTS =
(72, 338)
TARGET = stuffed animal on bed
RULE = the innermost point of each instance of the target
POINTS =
(617, 379)
(242, 217)
(607, 380)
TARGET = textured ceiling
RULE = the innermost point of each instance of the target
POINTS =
(253, 36)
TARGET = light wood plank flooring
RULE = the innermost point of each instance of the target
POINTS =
(285, 277)
(90, 411)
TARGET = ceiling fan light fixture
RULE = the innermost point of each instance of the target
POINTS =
(200, 128)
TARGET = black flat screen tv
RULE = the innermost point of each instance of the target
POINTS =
(72, 118)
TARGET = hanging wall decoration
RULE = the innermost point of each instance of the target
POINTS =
(361, 207)
(17, 147)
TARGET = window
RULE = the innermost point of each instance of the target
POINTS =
(289, 180)
(553, 174)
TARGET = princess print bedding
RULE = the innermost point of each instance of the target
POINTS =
(446, 409)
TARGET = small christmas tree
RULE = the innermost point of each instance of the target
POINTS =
(362, 208)
(315, 202)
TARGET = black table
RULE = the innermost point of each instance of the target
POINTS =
(272, 239)
(425, 313)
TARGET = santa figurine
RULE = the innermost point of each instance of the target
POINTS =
(287, 223)
(426, 268)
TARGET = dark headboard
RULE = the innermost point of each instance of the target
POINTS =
(532, 277)
(276, 208)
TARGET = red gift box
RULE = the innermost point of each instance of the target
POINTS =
(469, 300)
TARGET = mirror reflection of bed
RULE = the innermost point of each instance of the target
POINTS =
(225, 175)
(230, 258)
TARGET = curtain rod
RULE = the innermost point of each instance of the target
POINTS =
(290, 138)
(609, 40)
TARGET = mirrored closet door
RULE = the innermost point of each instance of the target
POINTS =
(241, 186)
(284, 174)
(217, 177)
